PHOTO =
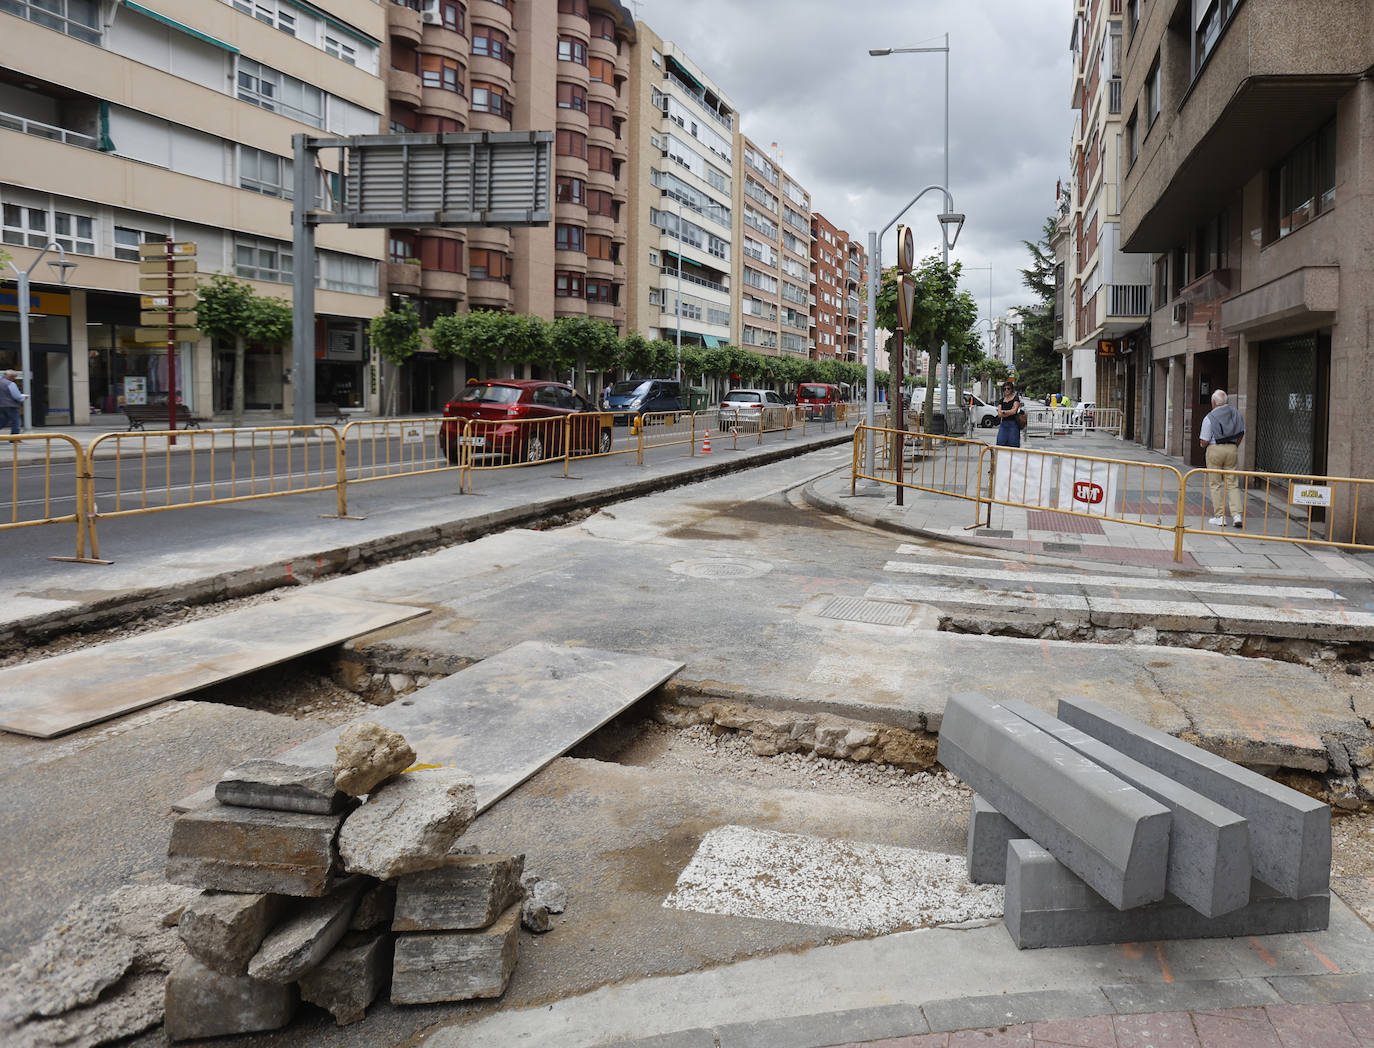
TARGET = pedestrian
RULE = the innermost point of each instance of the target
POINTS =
(606, 396)
(11, 402)
(1222, 431)
(1009, 430)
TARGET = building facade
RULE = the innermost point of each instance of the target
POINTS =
(839, 275)
(1248, 144)
(127, 123)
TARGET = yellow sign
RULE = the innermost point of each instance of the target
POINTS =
(1311, 494)
(1106, 347)
(162, 286)
(179, 319)
(156, 265)
(906, 249)
(152, 334)
(159, 249)
(48, 303)
(906, 301)
(168, 302)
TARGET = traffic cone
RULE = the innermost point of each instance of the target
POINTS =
(706, 443)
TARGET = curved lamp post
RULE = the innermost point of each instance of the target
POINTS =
(62, 267)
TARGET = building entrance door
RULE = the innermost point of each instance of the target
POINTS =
(1209, 374)
(1290, 416)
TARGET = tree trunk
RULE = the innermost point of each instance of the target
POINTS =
(240, 355)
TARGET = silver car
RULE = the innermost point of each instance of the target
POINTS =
(745, 406)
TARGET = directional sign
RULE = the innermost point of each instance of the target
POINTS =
(159, 249)
(168, 301)
(157, 265)
(188, 319)
(906, 249)
(906, 301)
(162, 286)
(159, 334)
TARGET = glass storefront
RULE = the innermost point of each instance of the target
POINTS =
(124, 370)
(49, 357)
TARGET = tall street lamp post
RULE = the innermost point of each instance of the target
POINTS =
(62, 268)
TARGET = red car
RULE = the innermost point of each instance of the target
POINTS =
(502, 411)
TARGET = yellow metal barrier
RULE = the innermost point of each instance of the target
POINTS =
(668, 428)
(942, 465)
(490, 444)
(60, 487)
(380, 449)
(1279, 507)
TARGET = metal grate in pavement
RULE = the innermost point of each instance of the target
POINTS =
(1046, 520)
(1063, 547)
(874, 612)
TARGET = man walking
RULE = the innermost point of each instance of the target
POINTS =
(1222, 431)
(11, 402)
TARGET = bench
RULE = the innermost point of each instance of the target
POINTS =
(140, 414)
(329, 411)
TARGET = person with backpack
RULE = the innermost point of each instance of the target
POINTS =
(1222, 431)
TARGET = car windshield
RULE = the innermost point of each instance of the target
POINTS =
(818, 392)
(624, 389)
(743, 396)
(483, 393)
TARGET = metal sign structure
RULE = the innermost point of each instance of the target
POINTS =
(164, 269)
(477, 178)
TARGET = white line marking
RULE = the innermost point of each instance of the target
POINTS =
(950, 595)
(1313, 616)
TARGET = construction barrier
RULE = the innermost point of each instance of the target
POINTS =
(65, 480)
(1278, 507)
(939, 464)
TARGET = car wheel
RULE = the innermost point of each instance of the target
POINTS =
(989, 421)
(603, 445)
(451, 453)
(534, 448)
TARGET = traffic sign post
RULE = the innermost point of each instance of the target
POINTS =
(167, 278)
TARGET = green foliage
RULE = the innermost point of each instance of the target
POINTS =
(486, 337)
(269, 322)
(230, 309)
(583, 342)
(1039, 367)
(396, 333)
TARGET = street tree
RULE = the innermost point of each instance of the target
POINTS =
(397, 336)
(581, 344)
(1038, 367)
(231, 311)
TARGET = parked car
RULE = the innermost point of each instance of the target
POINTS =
(643, 396)
(818, 399)
(981, 413)
(502, 404)
(744, 406)
(1083, 412)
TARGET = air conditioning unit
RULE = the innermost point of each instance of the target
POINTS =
(1180, 312)
(431, 18)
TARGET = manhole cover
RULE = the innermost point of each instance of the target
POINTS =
(876, 612)
(723, 568)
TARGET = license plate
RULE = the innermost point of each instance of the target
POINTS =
(473, 442)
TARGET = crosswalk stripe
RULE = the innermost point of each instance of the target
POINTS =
(1302, 616)
(1235, 589)
(950, 595)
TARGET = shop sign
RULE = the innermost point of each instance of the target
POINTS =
(1106, 347)
(1086, 491)
(1312, 494)
(47, 302)
(343, 345)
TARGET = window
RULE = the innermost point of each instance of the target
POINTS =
(1152, 98)
(574, 7)
(572, 96)
(269, 89)
(601, 247)
(485, 264)
(601, 70)
(570, 143)
(569, 238)
(37, 227)
(349, 273)
(1210, 19)
(1132, 18)
(269, 12)
(599, 114)
(492, 43)
(599, 158)
(256, 258)
(1303, 184)
(406, 59)
(442, 254)
(126, 241)
(454, 16)
(567, 285)
(600, 202)
(403, 121)
(265, 173)
(603, 291)
(439, 124)
(400, 247)
(1132, 138)
(76, 18)
(437, 71)
(336, 47)
(490, 98)
(1212, 245)
(603, 26)
(571, 49)
(569, 190)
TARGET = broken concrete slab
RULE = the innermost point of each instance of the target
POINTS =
(1290, 833)
(470, 719)
(282, 787)
(351, 977)
(534, 917)
(225, 848)
(375, 908)
(409, 823)
(201, 1002)
(1107, 832)
(129, 1007)
(69, 691)
(1046, 905)
(467, 891)
(305, 938)
(223, 930)
(1209, 845)
(989, 832)
(545, 892)
(455, 966)
(367, 755)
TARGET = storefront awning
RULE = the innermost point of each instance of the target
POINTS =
(712, 341)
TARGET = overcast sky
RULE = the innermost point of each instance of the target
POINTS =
(864, 135)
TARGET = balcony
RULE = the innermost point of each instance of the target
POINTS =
(697, 92)
(41, 130)
(403, 23)
(1128, 300)
(671, 271)
(1114, 95)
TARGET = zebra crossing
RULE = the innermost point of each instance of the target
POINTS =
(962, 581)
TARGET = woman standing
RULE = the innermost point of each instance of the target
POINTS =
(1008, 432)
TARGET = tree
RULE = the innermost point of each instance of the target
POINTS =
(1039, 367)
(485, 337)
(582, 344)
(230, 309)
(398, 337)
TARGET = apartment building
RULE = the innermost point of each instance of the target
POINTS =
(1248, 145)
(839, 273)
(122, 123)
(1106, 333)
(681, 200)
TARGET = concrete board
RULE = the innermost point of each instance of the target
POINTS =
(989, 832)
(510, 715)
(1290, 833)
(1109, 833)
(58, 695)
(1209, 846)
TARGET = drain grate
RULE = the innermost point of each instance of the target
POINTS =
(722, 568)
(875, 612)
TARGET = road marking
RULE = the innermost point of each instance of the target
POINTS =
(1300, 616)
(1002, 598)
(1121, 581)
(854, 885)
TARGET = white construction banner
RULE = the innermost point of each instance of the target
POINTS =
(1023, 477)
(1089, 487)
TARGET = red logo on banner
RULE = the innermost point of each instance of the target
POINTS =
(1087, 491)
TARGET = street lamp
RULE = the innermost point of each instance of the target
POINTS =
(62, 267)
(677, 308)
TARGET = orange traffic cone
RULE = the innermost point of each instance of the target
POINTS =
(706, 443)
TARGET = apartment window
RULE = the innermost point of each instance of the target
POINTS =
(603, 26)
(599, 114)
(36, 227)
(601, 70)
(400, 247)
(570, 143)
(571, 49)
(439, 124)
(600, 247)
(336, 47)
(655, 57)
(603, 291)
(270, 89)
(1132, 19)
(569, 190)
(1302, 185)
(490, 98)
(1132, 137)
(492, 43)
(1152, 95)
(404, 58)
(574, 7)
(403, 121)
(437, 71)
(256, 258)
(567, 285)
(357, 276)
(270, 13)
(442, 254)
(572, 96)
(454, 16)
(600, 202)
(599, 158)
(1212, 243)
(485, 264)
(265, 173)
(76, 18)
(126, 241)
(1210, 18)
(569, 238)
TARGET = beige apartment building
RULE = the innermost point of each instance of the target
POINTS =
(1248, 147)
(839, 270)
(122, 123)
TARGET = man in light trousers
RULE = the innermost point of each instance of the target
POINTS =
(1222, 431)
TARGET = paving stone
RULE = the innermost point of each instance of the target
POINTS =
(467, 891)
(1107, 832)
(351, 977)
(223, 930)
(1155, 1030)
(409, 823)
(989, 832)
(1003, 1009)
(455, 966)
(305, 938)
(367, 755)
(1290, 833)
(1236, 1028)
(281, 787)
(227, 848)
(1209, 845)
(1315, 1024)
(375, 908)
(203, 1003)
